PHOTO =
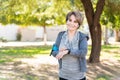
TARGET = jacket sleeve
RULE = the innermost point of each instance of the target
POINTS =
(82, 51)
(57, 43)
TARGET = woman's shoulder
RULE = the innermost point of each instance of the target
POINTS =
(61, 32)
(83, 35)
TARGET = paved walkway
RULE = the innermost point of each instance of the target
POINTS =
(2, 44)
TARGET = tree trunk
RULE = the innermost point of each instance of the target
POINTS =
(45, 35)
(94, 27)
(96, 44)
(117, 35)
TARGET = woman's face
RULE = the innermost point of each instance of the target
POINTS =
(72, 23)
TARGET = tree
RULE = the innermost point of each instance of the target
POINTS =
(18, 12)
(55, 13)
(44, 16)
(33, 12)
(26, 12)
(93, 18)
(112, 16)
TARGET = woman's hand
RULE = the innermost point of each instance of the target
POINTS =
(61, 54)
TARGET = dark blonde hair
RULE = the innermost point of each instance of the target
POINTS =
(77, 15)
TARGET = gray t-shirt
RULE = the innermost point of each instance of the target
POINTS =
(70, 64)
(70, 68)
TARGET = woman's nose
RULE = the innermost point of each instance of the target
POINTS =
(72, 23)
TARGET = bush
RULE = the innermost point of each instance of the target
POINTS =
(2, 39)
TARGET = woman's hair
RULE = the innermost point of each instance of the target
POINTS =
(77, 15)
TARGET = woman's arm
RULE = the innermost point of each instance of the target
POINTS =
(57, 43)
(82, 51)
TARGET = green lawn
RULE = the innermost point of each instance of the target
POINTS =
(11, 53)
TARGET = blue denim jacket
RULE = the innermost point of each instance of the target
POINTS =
(81, 53)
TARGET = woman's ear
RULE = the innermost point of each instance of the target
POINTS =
(78, 26)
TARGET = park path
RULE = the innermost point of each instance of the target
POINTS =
(43, 67)
(18, 44)
(51, 61)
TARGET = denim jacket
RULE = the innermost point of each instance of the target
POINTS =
(81, 53)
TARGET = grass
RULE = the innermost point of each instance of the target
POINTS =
(103, 77)
(8, 54)
(111, 51)
(108, 51)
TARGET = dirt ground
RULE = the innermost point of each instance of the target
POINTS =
(46, 68)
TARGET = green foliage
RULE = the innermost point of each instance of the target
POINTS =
(49, 12)
(36, 12)
(113, 5)
(19, 12)
(111, 14)
(30, 77)
(103, 77)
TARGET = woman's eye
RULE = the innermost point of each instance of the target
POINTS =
(75, 22)
(70, 20)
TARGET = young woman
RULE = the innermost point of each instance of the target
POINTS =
(72, 49)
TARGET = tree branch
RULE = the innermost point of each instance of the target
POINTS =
(89, 11)
(98, 12)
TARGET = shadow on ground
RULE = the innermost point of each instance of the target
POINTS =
(108, 70)
(105, 70)
(23, 71)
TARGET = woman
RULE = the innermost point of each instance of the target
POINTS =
(72, 49)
